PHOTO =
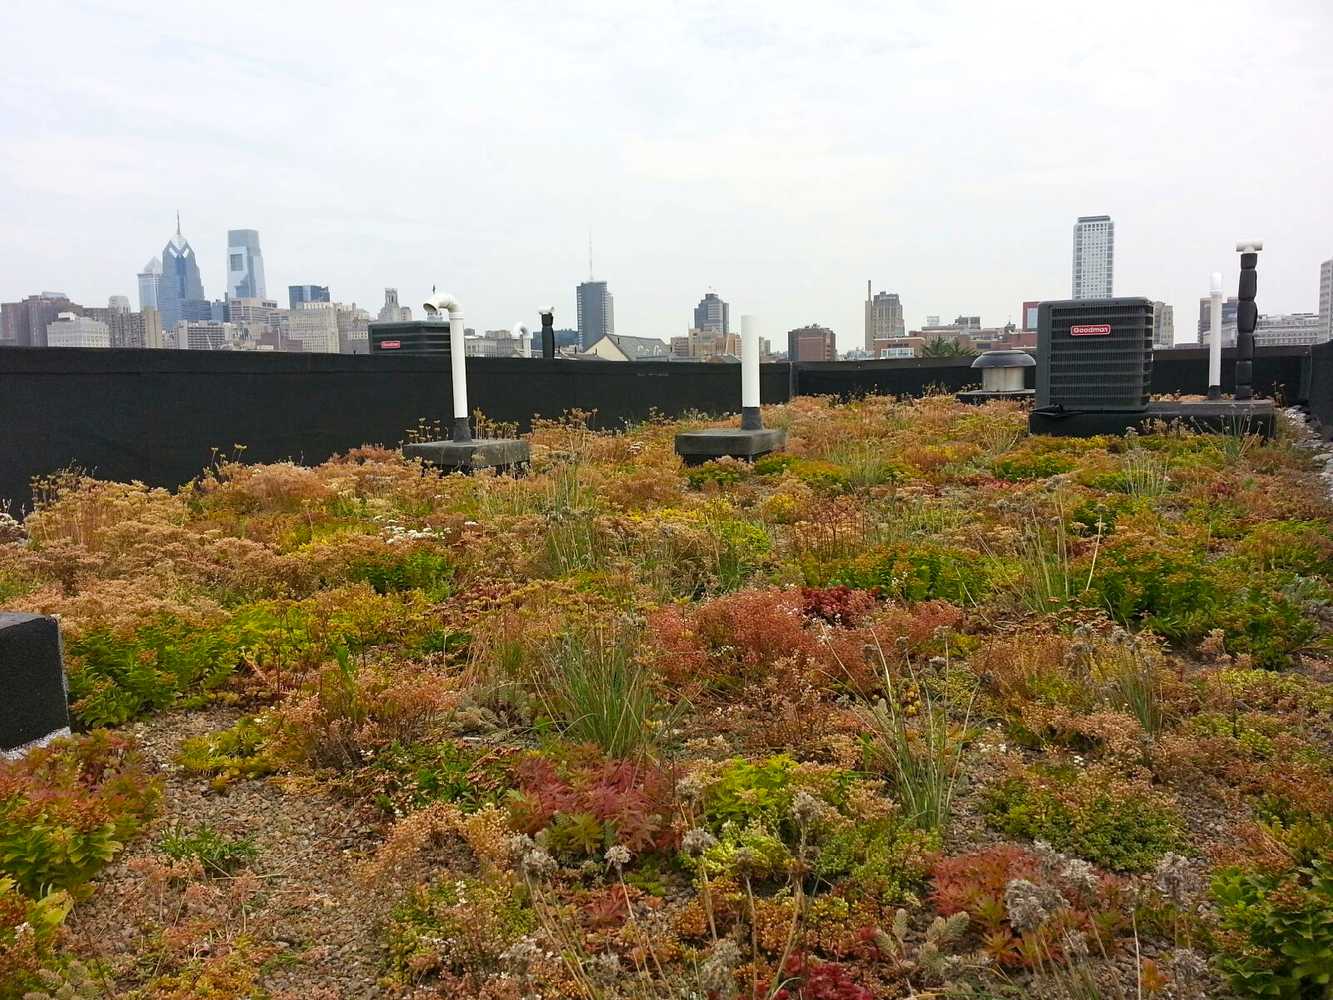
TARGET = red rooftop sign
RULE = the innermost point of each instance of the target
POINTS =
(1093, 330)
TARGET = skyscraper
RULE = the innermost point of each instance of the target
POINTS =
(884, 317)
(597, 312)
(181, 293)
(150, 280)
(245, 265)
(1326, 300)
(1094, 257)
(297, 295)
(712, 314)
(1163, 326)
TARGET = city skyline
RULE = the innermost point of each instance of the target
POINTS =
(1070, 111)
(184, 262)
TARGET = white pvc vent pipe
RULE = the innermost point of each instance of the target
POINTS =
(1215, 337)
(750, 418)
(457, 359)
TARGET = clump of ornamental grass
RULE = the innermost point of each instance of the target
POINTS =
(916, 735)
(596, 689)
(1145, 473)
(1051, 574)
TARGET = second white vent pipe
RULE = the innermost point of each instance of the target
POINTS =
(750, 417)
(1215, 337)
(457, 359)
(523, 335)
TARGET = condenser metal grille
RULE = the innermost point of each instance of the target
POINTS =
(415, 337)
(1094, 354)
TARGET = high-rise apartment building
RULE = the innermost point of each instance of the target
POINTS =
(245, 265)
(150, 280)
(205, 335)
(884, 317)
(1094, 257)
(312, 327)
(254, 318)
(1326, 299)
(597, 312)
(129, 329)
(812, 343)
(353, 329)
(23, 324)
(712, 314)
(73, 330)
(180, 295)
(298, 295)
(1163, 326)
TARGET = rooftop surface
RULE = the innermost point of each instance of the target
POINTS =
(923, 705)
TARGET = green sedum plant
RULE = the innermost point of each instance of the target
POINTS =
(229, 755)
(67, 809)
(1278, 930)
(28, 931)
(459, 927)
(1120, 825)
(219, 854)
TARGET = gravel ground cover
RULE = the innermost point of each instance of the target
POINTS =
(922, 707)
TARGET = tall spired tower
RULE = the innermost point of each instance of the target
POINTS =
(180, 294)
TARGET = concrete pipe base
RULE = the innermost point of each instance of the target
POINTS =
(697, 447)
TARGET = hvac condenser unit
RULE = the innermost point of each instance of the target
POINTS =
(411, 337)
(1094, 354)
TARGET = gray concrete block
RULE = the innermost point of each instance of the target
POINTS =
(464, 456)
(697, 447)
(34, 704)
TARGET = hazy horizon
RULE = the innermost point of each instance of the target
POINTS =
(779, 154)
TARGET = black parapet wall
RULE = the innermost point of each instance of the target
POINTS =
(1280, 373)
(33, 701)
(891, 377)
(158, 416)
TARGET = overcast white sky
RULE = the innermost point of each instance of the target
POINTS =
(781, 153)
